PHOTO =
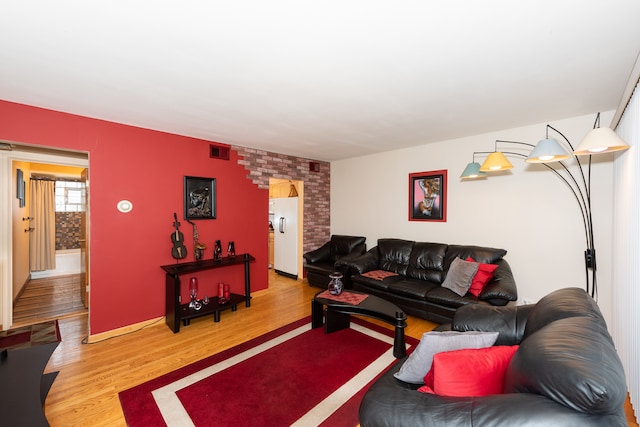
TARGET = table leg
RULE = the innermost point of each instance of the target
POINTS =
(336, 321)
(399, 347)
(316, 314)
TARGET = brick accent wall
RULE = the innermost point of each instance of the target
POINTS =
(262, 165)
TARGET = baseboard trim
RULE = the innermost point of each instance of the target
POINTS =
(91, 339)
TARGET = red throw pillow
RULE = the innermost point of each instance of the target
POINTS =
(482, 277)
(469, 372)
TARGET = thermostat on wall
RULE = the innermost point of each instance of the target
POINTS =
(125, 206)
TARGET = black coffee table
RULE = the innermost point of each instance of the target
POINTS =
(338, 316)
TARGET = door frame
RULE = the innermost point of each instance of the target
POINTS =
(21, 153)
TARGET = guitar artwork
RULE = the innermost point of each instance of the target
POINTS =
(179, 250)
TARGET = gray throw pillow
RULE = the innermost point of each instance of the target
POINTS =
(419, 362)
(460, 275)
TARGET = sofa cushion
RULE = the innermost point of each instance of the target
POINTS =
(469, 372)
(427, 261)
(419, 362)
(393, 255)
(446, 297)
(478, 253)
(412, 288)
(573, 362)
(460, 275)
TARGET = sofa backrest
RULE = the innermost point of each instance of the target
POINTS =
(427, 262)
(478, 253)
(568, 355)
(341, 245)
(393, 255)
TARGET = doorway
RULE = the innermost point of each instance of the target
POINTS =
(285, 254)
(16, 221)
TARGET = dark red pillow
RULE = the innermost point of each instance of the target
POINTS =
(469, 372)
(482, 277)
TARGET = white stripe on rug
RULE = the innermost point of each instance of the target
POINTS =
(335, 400)
(174, 413)
(168, 402)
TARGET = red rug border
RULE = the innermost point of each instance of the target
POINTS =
(30, 332)
(143, 390)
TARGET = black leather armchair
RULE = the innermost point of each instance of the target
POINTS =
(320, 263)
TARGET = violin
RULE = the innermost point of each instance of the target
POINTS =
(179, 250)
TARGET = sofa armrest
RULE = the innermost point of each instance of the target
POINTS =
(508, 321)
(362, 263)
(502, 288)
(319, 254)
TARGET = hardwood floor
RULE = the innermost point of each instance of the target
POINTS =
(47, 299)
(85, 393)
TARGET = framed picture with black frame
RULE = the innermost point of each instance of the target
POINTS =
(428, 196)
(199, 198)
(20, 188)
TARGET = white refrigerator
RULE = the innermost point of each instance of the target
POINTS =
(285, 236)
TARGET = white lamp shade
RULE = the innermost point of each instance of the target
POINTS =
(473, 171)
(496, 162)
(547, 150)
(600, 140)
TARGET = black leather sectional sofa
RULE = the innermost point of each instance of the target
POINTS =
(565, 372)
(421, 268)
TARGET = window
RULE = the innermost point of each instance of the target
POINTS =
(70, 196)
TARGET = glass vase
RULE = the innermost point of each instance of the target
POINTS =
(335, 285)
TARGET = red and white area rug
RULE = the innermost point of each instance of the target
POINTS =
(292, 376)
(28, 336)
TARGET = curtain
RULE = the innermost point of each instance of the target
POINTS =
(626, 245)
(42, 242)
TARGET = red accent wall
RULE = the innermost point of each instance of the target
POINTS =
(147, 167)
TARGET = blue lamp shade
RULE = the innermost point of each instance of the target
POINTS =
(547, 150)
(473, 171)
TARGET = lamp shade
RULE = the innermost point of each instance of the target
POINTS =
(547, 150)
(473, 171)
(600, 140)
(496, 162)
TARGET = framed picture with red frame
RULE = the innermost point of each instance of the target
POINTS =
(428, 196)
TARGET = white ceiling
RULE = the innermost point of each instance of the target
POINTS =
(324, 80)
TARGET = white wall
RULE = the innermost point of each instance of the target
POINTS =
(527, 211)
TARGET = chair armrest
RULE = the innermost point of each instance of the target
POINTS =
(508, 321)
(322, 253)
(362, 263)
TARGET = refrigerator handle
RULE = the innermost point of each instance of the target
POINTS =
(282, 225)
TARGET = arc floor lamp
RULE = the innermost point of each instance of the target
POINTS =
(598, 141)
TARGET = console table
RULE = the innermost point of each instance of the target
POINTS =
(176, 311)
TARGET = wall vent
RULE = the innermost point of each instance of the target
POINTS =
(314, 166)
(217, 151)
